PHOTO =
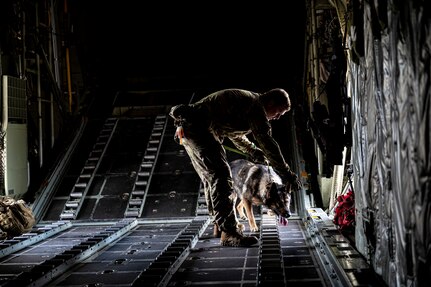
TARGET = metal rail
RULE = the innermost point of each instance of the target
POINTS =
(44, 195)
(140, 189)
(83, 182)
(43, 273)
(271, 270)
(344, 265)
(166, 264)
(37, 234)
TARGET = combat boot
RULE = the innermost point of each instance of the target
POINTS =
(235, 239)
(216, 232)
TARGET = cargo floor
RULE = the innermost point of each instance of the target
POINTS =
(130, 211)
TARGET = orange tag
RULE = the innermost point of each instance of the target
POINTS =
(179, 133)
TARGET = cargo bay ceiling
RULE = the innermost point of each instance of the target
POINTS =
(182, 44)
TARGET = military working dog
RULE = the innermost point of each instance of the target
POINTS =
(258, 184)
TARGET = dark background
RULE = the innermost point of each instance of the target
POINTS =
(212, 44)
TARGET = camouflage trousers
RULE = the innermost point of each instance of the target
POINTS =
(209, 160)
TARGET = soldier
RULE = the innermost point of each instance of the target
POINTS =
(233, 114)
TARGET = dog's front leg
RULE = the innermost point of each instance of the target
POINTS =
(240, 209)
(251, 220)
(240, 227)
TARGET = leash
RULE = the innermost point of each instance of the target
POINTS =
(234, 150)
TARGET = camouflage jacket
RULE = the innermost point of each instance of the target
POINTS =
(235, 113)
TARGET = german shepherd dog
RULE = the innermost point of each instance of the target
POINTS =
(258, 184)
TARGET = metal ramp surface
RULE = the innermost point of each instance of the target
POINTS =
(174, 188)
(284, 257)
(143, 178)
(169, 242)
(119, 253)
(142, 173)
(85, 178)
(132, 252)
(107, 194)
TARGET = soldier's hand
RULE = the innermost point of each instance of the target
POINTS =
(293, 180)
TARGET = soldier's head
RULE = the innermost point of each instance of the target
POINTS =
(276, 103)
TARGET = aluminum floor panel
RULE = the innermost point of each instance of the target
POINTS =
(122, 262)
(301, 267)
(116, 174)
(209, 263)
(35, 254)
(172, 205)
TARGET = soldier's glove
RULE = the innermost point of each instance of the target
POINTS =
(257, 156)
(180, 113)
(294, 181)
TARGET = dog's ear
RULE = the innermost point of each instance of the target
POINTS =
(273, 190)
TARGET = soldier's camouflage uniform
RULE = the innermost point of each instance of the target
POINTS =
(232, 114)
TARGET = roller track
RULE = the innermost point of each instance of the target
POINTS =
(168, 241)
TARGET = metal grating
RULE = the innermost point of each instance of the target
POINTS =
(166, 264)
(37, 234)
(45, 261)
(15, 89)
(209, 263)
(270, 255)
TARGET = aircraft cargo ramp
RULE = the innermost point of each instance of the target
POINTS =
(129, 211)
